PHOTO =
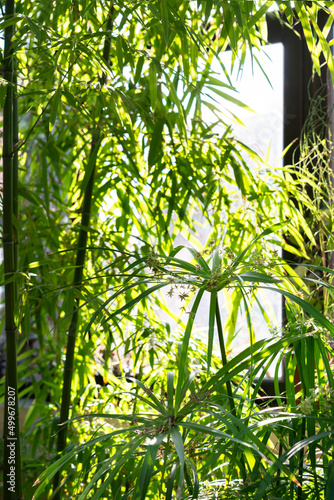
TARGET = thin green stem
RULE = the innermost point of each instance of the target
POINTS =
(301, 462)
(72, 331)
(164, 467)
(15, 174)
(228, 383)
(73, 328)
(224, 359)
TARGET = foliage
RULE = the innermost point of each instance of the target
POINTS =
(116, 161)
(315, 161)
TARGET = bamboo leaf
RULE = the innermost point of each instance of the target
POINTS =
(326, 50)
(165, 20)
(153, 85)
(50, 472)
(54, 107)
(237, 11)
(181, 117)
(156, 142)
(230, 98)
(119, 52)
(11, 20)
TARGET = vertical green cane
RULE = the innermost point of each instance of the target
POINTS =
(12, 478)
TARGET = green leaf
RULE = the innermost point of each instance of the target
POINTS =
(119, 52)
(239, 177)
(179, 447)
(170, 392)
(135, 301)
(34, 27)
(184, 349)
(139, 69)
(154, 400)
(230, 98)
(55, 106)
(147, 466)
(153, 85)
(238, 14)
(311, 310)
(211, 431)
(181, 121)
(256, 277)
(330, 481)
(164, 18)
(50, 472)
(326, 50)
(13, 19)
(108, 473)
(156, 142)
(269, 230)
(188, 383)
(195, 492)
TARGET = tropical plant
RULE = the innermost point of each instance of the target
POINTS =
(115, 159)
(222, 408)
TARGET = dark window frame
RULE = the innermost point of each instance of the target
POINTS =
(301, 84)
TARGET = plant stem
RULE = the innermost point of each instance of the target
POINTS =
(78, 273)
(72, 331)
(15, 174)
(301, 462)
(228, 383)
(223, 356)
(12, 482)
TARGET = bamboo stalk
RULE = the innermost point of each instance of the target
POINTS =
(12, 489)
(72, 331)
(15, 174)
(78, 274)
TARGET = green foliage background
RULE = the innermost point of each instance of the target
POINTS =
(115, 159)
